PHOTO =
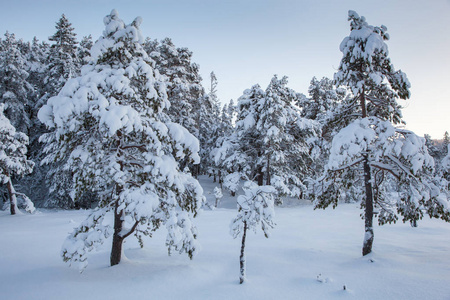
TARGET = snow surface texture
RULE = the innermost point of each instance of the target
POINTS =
(311, 254)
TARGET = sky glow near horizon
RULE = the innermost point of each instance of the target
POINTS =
(246, 42)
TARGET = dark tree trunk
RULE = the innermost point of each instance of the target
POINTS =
(268, 170)
(214, 173)
(12, 197)
(116, 251)
(219, 174)
(197, 171)
(368, 217)
(242, 257)
(260, 176)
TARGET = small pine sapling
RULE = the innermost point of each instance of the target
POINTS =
(255, 209)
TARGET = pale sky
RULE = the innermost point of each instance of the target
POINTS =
(248, 41)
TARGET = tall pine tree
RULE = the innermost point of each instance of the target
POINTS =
(388, 159)
(63, 62)
(15, 90)
(111, 129)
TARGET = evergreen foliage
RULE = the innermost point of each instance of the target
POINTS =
(15, 90)
(13, 160)
(390, 160)
(255, 209)
(269, 143)
(63, 62)
(112, 133)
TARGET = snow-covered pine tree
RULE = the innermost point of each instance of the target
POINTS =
(190, 106)
(323, 98)
(255, 209)
(213, 91)
(183, 86)
(269, 141)
(84, 49)
(231, 112)
(15, 90)
(35, 56)
(63, 62)
(387, 154)
(445, 170)
(207, 119)
(210, 124)
(283, 133)
(110, 126)
(446, 141)
(235, 154)
(322, 107)
(35, 184)
(433, 150)
(13, 160)
(219, 131)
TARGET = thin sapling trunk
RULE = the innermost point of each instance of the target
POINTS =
(242, 257)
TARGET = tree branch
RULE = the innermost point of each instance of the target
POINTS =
(400, 165)
(386, 168)
(140, 147)
(131, 230)
(351, 164)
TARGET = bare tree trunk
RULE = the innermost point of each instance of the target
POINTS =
(12, 197)
(116, 250)
(368, 216)
(260, 176)
(242, 257)
(214, 173)
(268, 169)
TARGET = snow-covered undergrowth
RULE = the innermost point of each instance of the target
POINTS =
(309, 255)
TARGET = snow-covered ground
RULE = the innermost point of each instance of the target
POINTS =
(310, 255)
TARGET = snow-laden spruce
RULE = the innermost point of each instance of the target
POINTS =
(270, 141)
(445, 172)
(255, 209)
(394, 163)
(15, 90)
(110, 126)
(13, 161)
(190, 106)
